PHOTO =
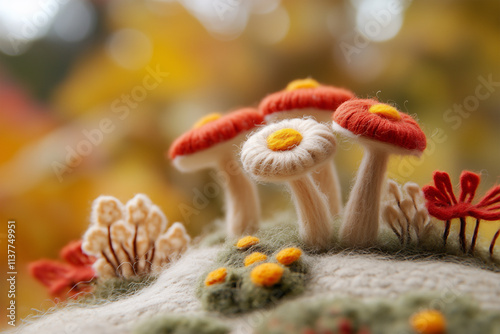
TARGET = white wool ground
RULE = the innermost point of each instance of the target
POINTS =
(331, 276)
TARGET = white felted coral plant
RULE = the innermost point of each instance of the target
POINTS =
(404, 211)
(133, 239)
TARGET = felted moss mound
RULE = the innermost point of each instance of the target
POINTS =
(116, 288)
(238, 293)
(180, 325)
(378, 317)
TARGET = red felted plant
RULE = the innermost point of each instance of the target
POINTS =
(65, 278)
(443, 204)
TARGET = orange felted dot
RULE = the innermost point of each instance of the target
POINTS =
(283, 140)
(385, 110)
(288, 256)
(254, 257)
(428, 322)
(267, 274)
(302, 83)
(215, 277)
(247, 241)
(207, 119)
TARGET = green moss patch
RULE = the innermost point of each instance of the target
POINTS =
(171, 324)
(238, 293)
(116, 288)
(382, 316)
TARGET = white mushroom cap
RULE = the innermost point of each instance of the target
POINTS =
(267, 165)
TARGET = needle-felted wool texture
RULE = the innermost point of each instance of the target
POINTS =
(383, 130)
(265, 163)
(355, 116)
(268, 165)
(305, 99)
(215, 132)
(168, 324)
(214, 144)
(407, 314)
(253, 275)
(357, 275)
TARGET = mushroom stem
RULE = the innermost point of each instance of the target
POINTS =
(328, 182)
(312, 212)
(361, 214)
(242, 201)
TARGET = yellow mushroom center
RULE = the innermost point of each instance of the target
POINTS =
(207, 119)
(283, 140)
(302, 83)
(386, 111)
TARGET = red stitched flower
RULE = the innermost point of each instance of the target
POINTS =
(70, 278)
(442, 203)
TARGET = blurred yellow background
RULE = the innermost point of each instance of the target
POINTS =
(130, 76)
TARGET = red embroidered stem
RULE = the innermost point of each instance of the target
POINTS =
(151, 257)
(129, 257)
(408, 232)
(119, 270)
(400, 237)
(136, 258)
(446, 231)
(462, 234)
(110, 262)
(474, 237)
(493, 241)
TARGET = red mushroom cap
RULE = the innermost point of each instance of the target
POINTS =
(402, 130)
(326, 98)
(215, 132)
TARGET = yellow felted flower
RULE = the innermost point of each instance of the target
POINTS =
(288, 256)
(267, 274)
(215, 277)
(254, 257)
(428, 322)
(247, 242)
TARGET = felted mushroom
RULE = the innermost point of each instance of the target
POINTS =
(306, 97)
(382, 130)
(287, 152)
(213, 143)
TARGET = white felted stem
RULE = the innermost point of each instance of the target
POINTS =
(328, 182)
(241, 198)
(312, 211)
(361, 214)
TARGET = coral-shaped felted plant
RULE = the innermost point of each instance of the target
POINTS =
(68, 278)
(131, 240)
(404, 211)
(443, 204)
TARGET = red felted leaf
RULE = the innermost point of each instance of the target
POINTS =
(73, 254)
(468, 183)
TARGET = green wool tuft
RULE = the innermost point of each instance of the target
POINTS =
(378, 316)
(174, 324)
(113, 289)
